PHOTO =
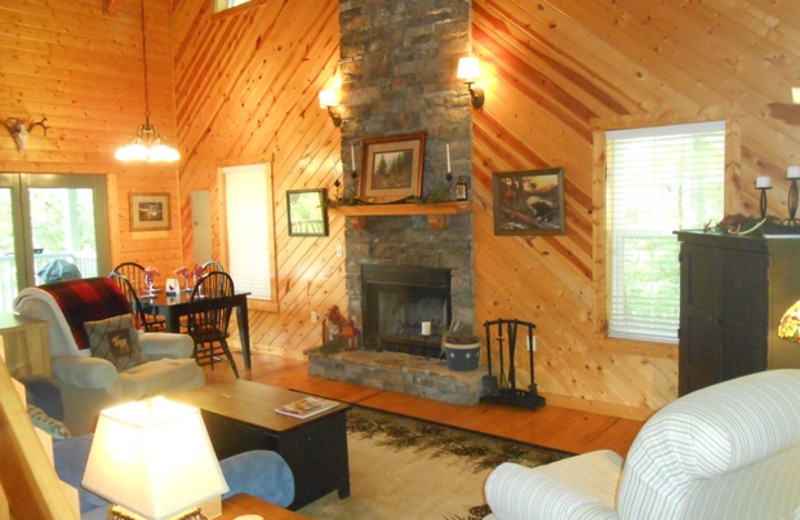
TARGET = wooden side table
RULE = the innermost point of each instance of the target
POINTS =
(243, 504)
(26, 346)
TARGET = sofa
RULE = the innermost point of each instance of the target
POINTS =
(730, 451)
(88, 317)
(261, 473)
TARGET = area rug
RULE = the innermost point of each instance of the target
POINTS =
(407, 468)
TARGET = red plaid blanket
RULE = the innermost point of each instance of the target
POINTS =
(87, 299)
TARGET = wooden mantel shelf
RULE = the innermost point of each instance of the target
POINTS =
(437, 213)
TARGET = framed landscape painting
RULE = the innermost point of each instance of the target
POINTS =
(529, 202)
(307, 212)
(149, 211)
(391, 168)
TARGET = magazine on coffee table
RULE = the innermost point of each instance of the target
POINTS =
(306, 407)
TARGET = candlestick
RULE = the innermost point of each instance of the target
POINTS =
(792, 202)
(448, 157)
(762, 201)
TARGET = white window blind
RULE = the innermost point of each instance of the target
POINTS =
(248, 197)
(658, 180)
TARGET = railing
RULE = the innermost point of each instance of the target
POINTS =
(86, 263)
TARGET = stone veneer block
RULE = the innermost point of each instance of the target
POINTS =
(397, 372)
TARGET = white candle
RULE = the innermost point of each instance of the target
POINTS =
(353, 157)
(793, 172)
(448, 157)
(426, 328)
(763, 182)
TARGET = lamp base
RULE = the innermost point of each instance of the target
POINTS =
(120, 513)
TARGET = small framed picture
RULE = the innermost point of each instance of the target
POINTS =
(392, 168)
(529, 202)
(307, 212)
(149, 211)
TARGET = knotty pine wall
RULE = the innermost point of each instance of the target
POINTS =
(247, 82)
(556, 70)
(245, 86)
(82, 68)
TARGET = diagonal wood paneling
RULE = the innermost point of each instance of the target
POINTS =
(246, 83)
(552, 69)
(241, 87)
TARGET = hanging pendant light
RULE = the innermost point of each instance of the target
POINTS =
(147, 145)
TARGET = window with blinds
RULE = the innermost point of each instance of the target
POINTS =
(658, 180)
(248, 197)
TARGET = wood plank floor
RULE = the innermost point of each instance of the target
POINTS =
(553, 427)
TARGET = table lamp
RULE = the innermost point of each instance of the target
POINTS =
(790, 323)
(154, 460)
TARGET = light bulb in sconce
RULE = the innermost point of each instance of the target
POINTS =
(469, 69)
(329, 99)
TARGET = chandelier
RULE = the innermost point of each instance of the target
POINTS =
(147, 144)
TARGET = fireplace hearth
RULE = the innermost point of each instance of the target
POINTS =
(405, 308)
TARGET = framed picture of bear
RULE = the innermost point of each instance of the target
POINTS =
(529, 202)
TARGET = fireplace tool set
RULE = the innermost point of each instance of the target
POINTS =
(503, 389)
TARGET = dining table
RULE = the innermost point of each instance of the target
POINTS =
(174, 305)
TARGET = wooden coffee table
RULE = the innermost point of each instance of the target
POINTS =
(240, 416)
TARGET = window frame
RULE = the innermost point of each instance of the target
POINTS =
(731, 195)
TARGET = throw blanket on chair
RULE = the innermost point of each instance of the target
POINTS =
(87, 299)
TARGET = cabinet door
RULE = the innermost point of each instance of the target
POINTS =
(744, 315)
(701, 341)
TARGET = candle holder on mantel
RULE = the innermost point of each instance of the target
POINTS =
(763, 184)
(793, 174)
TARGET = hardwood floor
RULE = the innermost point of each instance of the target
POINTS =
(553, 427)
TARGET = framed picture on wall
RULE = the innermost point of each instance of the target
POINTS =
(529, 202)
(307, 213)
(149, 211)
(392, 167)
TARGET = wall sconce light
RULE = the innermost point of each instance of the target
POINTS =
(469, 69)
(796, 95)
(329, 100)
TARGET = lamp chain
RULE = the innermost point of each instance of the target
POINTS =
(144, 58)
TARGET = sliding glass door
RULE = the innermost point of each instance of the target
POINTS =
(52, 227)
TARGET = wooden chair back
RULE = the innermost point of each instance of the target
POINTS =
(134, 273)
(216, 284)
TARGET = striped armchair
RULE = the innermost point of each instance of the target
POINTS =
(730, 451)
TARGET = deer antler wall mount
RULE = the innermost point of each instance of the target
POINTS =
(20, 131)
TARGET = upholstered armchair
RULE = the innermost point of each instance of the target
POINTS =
(730, 451)
(90, 318)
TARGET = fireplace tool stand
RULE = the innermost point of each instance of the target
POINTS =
(503, 390)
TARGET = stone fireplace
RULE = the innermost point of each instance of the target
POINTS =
(406, 308)
(398, 76)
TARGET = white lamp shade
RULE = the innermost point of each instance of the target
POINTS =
(795, 94)
(328, 98)
(153, 458)
(469, 68)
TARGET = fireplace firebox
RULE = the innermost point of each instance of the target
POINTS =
(405, 308)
